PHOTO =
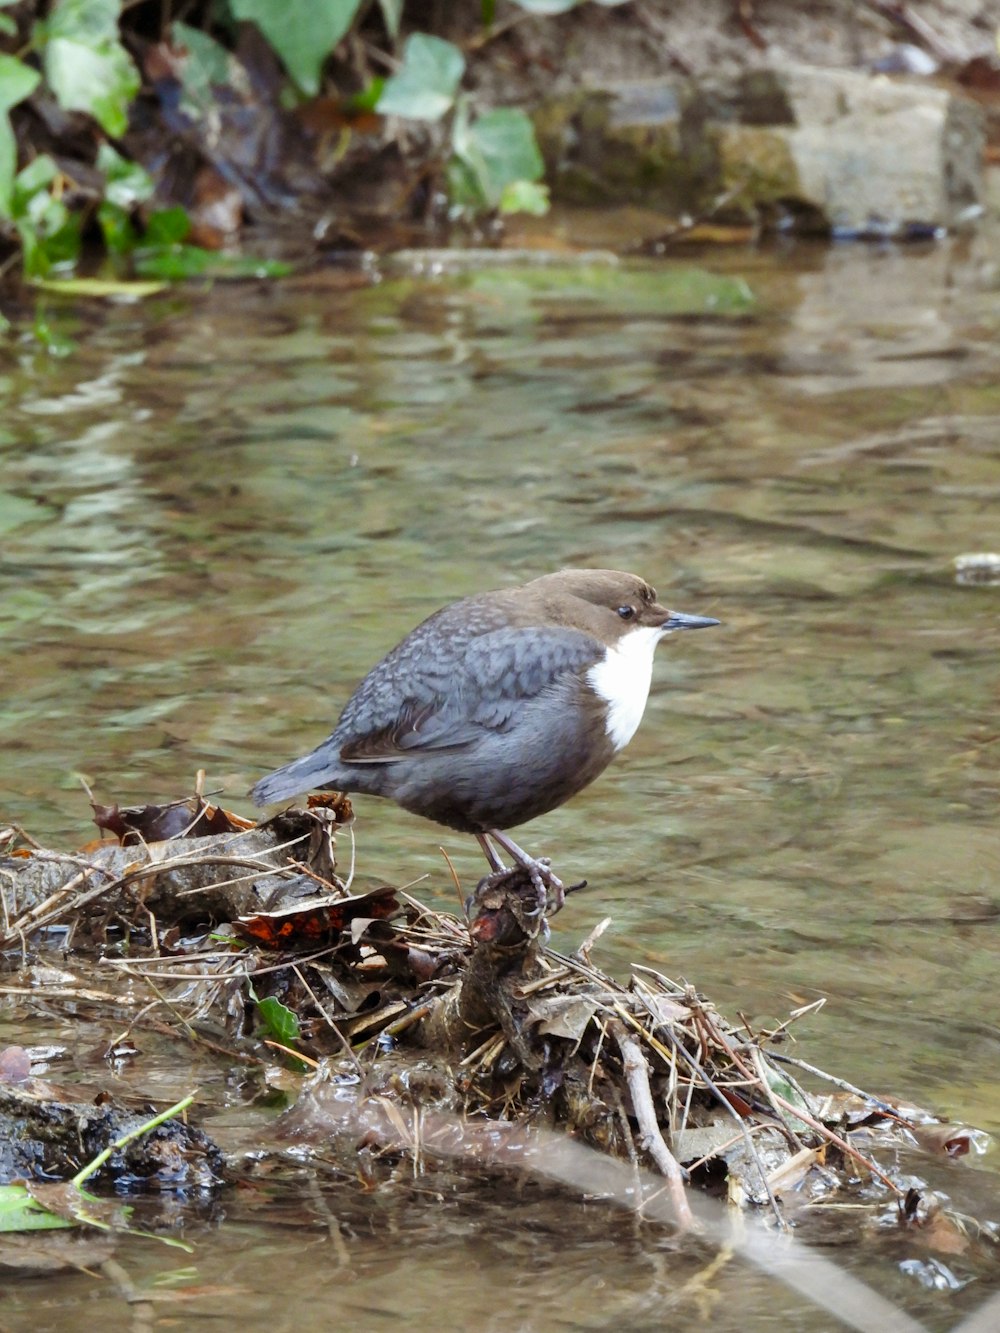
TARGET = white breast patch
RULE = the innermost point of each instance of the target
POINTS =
(622, 681)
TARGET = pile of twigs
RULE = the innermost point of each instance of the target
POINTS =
(251, 927)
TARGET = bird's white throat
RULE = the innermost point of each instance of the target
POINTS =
(622, 681)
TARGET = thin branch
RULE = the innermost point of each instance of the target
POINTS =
(652, 1140)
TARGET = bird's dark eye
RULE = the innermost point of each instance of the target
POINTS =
(626, 612)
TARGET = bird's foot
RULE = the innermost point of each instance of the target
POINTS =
(504, 910)
(548, 886)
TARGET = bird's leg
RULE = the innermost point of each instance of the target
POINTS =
(489, 852)
(538, 868)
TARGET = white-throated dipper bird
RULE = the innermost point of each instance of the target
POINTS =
(498, 708)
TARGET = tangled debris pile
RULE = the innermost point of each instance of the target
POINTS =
(474, 1025)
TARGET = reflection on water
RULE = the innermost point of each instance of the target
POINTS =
(225, 506)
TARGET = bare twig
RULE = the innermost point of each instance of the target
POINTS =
(344, 1043)
(651, 1141)
(841, 1083)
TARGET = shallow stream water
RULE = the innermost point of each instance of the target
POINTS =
(220, 507)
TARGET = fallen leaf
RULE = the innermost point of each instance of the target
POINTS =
(191, 818)
(317, 922)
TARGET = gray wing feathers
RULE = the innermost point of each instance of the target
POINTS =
(437, 691)
(460, 690)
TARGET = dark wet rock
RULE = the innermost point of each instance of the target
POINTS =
(45, 1138)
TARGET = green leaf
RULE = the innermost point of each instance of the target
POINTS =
(19, 1212)
(45, 251)
(525, 197)
(427, 82)
(37, 175)
(463, 188)
(497, 150)
(366, 99)
(165, 227)
(171, 263)
(101, 81)
(86, 65)
(303, 32)
(280, 1021)
(126, 183)
(8, 166)
(116, 227)
(49, 233)
(17, 81)
(191, 261)
(89, 21)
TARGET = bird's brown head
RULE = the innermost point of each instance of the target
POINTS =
(606, 603)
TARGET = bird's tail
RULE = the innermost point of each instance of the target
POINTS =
(305, 774)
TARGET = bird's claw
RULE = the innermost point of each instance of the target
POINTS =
(549, 888)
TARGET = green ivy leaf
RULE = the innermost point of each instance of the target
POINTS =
(19, 1212)
(126, 183)
(48, 232)
(55, 244)
(17, 81)
(191, 261)
(366, 99)
(8, 166)
(37, 175)
(496, 150)
(427, 82)
(303, 32)
(525, 197)
(463, 188)
(86, 65)
(167, 226)
(100, 81)
(116, 227)
(281, 1022)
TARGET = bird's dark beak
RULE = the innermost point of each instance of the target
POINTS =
(678, 620)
